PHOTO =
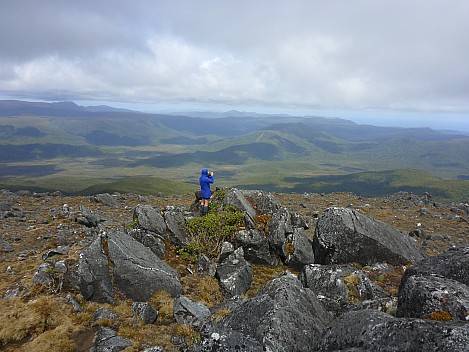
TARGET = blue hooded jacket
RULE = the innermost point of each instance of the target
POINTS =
(205, 181)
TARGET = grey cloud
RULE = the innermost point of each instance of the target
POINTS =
(364, 53)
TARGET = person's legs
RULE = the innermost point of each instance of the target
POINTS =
(205, 206)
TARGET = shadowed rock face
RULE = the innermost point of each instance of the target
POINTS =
(343, 236)
(371, 330)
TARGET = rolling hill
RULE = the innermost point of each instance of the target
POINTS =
(43, 143)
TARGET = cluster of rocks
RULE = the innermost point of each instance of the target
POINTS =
(330, 305)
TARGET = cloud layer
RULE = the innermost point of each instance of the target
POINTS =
(340, 54)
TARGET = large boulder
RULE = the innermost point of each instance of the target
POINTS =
(283, 316)
(152, 240)
(256, 246)
(234, 274)
(119, 262)
(148, 218)
(372, 330)
(175, 219)
(343, 287)
(433, 297)
(452, 264)
(91, 275)
(236, 199)
(343, 235)
(137, 271)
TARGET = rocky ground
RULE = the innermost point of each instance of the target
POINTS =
(34, 226)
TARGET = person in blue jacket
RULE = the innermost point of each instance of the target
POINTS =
(206, 178)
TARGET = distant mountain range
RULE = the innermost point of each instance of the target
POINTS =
(54, 140)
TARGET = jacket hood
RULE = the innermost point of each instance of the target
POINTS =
(204, 172)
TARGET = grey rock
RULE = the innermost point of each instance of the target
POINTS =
(5, 246)
(204, 266)
(107, 340)
(145, 311)
(106, 199)
(236, 199)
(175, 220)
(344, 235)
(452, 264)
(92, 275)
(341, 287)
(283, 316)
(371, 330)
(137, 271)
(149, 219)
(234, 274)
(298, 249)
(420, 296)
(226, 249)
(60, 250)
(103, 313)
(44, 275)
(191, 313)
(152, 240)
(72, 301)
(256, 247)
(88, 218)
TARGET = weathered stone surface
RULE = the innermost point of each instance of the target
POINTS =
(256, 247)
(107, 340)
(204, 266)
(103, 313)
(371, 330)
(145, 311)
(118, 261)
(152, 240)
(91, 275)
(283, 316)
(88, 218)
(105, 198)
(423, 296)
(175, 220)
(149, 219)
(234, 274)
(298, 249)
(344, 235)
(452, 264)
(5, 246)
(236, 199)
(191, 313)
(341, 287)
(137, 271)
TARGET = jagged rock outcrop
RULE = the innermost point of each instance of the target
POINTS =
(234, 274)
(452, 264)
(105, 198)
(437, 287)
(282, 240)
(152, 240)
(89, 218)
(149, 219)
(343, 287)
(175, 218)
(372, 330)
(343, 235)
(432, 297)
(283, 316)
(118, 261)
(5, 246)
(256, 247)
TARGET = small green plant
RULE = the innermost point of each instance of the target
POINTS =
(132, 224)
(190, 252)
(207, 233)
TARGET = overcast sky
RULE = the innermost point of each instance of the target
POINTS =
(314, 56)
